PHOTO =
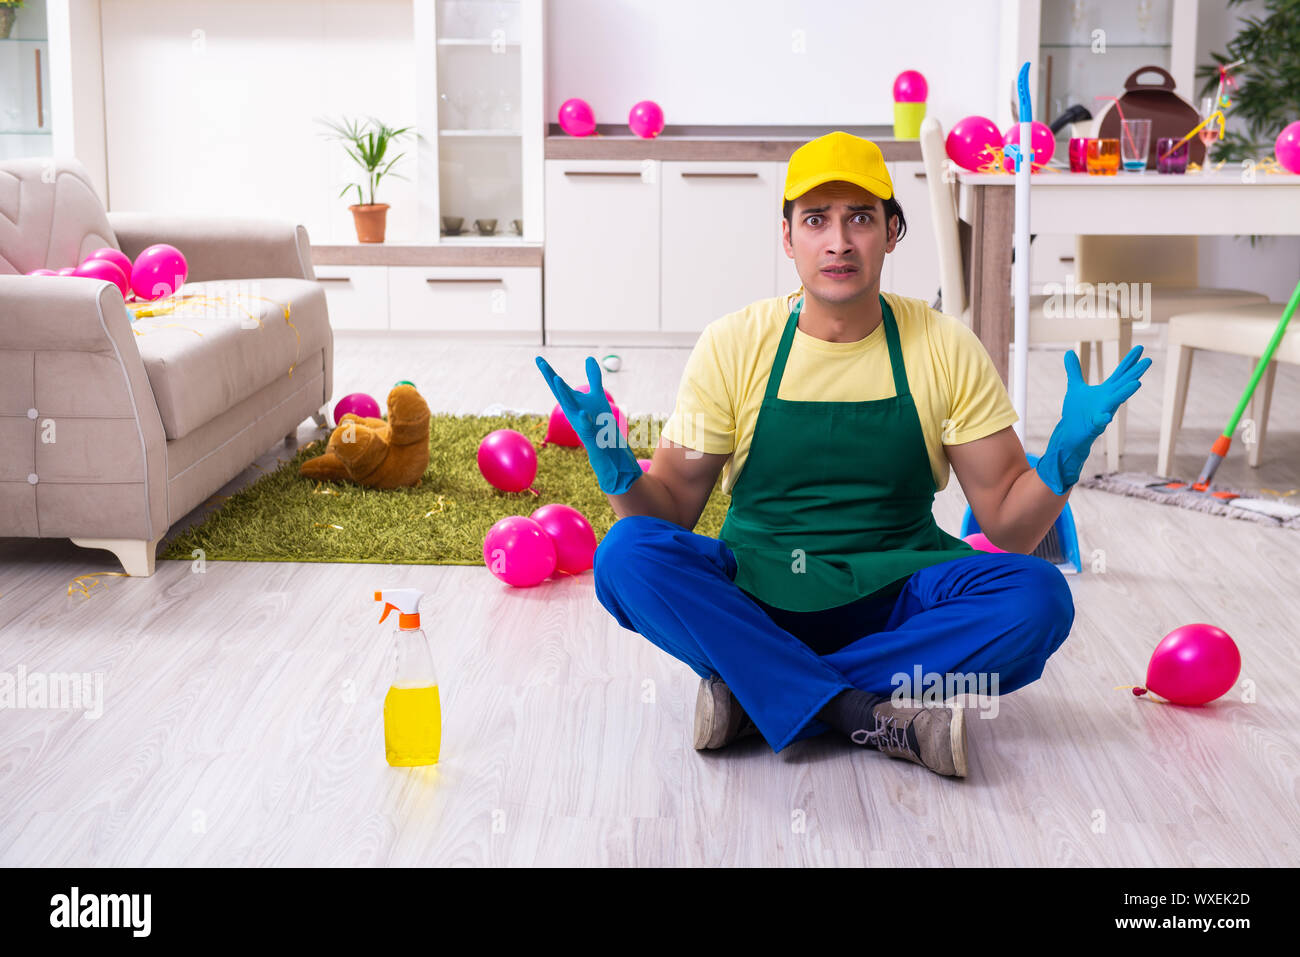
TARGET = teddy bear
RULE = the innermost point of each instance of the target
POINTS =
(375, 453)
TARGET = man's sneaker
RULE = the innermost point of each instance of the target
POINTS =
(719, 719)
(934, 737)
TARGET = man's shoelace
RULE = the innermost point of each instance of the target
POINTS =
(887, 735)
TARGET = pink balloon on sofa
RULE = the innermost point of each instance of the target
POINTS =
(507, 460)
(969, 141)
(576, 117)
(103, 269)
(646, 119)
(42, 272)
(1040, 139)
(358, 403)
(67, 271)
(116, 257)
(158, 271)
(519, 551)
(979, 541)
(572, 535)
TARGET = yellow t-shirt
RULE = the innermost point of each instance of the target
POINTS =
(958, 393)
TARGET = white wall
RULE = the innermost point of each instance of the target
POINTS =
(210, 106)
(1272, 266)
(727, 62)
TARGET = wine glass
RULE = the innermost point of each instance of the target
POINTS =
(1209, 132)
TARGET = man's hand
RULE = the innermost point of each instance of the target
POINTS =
(592, 419)
(1085, 413)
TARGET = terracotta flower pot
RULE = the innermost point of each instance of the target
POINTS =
(7, 15)
(370, 221)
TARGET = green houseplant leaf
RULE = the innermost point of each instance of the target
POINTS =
(367, 146)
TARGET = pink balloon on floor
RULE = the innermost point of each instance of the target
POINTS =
(519, 551)
(572, 535)
(42, 272)
(507, 460)
(103, 269)
(358, 403)
(576, 117)
(646, 119)
(980, 541)
(116, 257)
(158, 271)
(1194, 664)
(644, 463)
(560, 432)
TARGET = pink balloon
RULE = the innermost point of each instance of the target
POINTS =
(1194, 664)
(646, 119)
(159, 271)
(978, 540)
(67, 271)
(42, 272)
(116, 257)
(358, 403)
(518, 551)
(645, 464)
(1287, 147)
(572, 535)
(910, 87)
(1041, 141)
(968, 141)
(507, 460)
(103, 269)
(576, 117)
(560, 432)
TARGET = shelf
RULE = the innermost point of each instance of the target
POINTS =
(1109, 46)
(475, 42)
(480, 133)
(26, 132)
(24, 40)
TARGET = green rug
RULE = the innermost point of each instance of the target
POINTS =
(283, 517)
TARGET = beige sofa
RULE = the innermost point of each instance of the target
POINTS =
(114, 429)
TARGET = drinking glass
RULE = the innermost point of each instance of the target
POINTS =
(1134, 142)
(1176, 161)
(1103, 157)
(1078, 154)
(1209, 132)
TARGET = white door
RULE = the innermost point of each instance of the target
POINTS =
(718, 220)
(602, 246)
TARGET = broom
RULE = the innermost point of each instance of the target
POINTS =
(1219, 451)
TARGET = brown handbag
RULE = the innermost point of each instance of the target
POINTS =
(1169, 113)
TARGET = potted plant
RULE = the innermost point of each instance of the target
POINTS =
(368, 146)
(8, 10)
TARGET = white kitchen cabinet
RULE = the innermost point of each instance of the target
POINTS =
(718, 220)
(501, 302)
(356, 296)
(602, 250)
(915, 260)
(787, 277)
(1051, 259)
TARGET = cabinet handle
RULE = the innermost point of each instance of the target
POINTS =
(919, 175)
(1067, 259)
(40, 98)
(333, 278)
(723, 175)
(435, 279)
(593, 172)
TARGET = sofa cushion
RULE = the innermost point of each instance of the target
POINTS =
(50, 215)
(224, 341)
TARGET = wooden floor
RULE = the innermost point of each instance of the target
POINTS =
(241, 705)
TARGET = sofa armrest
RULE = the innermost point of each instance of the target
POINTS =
(221, 247)
(85, 451)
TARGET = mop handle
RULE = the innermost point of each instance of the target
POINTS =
(1264, 360)
(1024, 155)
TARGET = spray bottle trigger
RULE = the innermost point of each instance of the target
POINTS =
(388, 607)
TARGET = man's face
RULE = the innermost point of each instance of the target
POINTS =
(839, 223)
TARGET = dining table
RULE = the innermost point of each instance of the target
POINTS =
(1227, 201)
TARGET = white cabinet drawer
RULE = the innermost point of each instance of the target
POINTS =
(718, 221)
(356, 296)
(1051, 259)
(461, 300)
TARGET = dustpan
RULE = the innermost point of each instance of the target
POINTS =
(1061, 544)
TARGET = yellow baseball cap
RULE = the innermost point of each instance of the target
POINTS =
(838, 156)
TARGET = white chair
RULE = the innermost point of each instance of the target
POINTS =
(1242, 331)
(1043, 328)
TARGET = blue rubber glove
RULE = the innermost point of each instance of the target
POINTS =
(1085, 413)
(592, 419)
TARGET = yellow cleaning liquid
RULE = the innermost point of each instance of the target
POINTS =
(412, 726)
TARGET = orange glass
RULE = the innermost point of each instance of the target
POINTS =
(1103, 157)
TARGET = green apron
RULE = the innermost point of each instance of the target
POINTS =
(835, 500)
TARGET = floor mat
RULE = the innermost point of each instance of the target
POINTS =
(1262, 506)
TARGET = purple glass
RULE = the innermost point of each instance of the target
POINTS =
(1078, 154)
(1175, 162)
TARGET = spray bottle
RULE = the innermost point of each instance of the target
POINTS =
(412, 710)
